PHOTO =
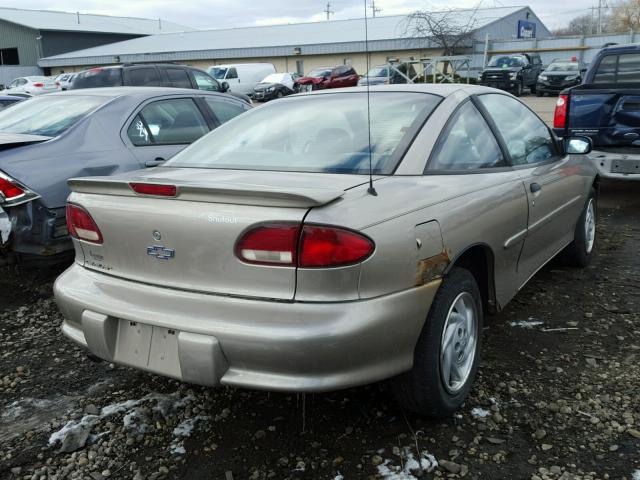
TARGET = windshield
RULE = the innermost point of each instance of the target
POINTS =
(507, 61)
(323, 133)
(563, 67)
(218, 73)
(378, 72)
(274, 78)
(47, 116)
(320, 73)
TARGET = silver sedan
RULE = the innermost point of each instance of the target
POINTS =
(329, 240)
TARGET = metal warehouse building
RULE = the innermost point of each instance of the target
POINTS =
(299, 47)
(28, 35)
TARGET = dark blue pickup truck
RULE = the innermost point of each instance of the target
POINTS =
(606, 108)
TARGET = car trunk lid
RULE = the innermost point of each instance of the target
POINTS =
(188, 241)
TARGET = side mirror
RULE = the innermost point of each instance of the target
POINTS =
(577, 145)
(225, 87)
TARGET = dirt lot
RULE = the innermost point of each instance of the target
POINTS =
(558, 396)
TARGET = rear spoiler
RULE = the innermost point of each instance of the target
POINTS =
(216, 192)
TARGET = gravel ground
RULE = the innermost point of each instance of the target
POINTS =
(558, 396)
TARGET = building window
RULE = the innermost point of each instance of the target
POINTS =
(300, 67)
(9, 56)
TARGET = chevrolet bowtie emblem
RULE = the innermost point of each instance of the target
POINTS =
(160, 252)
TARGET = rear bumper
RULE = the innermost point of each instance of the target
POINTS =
(620, 166)
(210, 340)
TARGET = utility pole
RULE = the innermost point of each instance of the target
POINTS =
(328, 11)
(601, 5)
(374, 9)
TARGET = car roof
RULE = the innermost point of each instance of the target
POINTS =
(441, 89)
(142, 91)
(630, 47)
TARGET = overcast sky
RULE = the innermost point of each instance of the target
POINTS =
(236, 13)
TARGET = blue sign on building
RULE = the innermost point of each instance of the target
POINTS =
(526, 29)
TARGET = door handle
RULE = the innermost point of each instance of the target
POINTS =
(535, 187)
(154, 163)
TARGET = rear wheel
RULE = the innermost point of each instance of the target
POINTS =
(533, 88)
(447, 354)
(279, 94)
(583, 248)
(518, 90)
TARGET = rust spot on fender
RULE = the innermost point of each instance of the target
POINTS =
(432, 268)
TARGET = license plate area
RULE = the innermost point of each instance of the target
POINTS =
(148, 347)
(625, 166)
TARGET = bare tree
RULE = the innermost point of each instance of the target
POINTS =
(581, 25)
(450, 30)
(626, 16)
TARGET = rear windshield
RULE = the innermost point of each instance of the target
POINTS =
(318, 133)
(98, 77)
(48, 116)
(619, 69)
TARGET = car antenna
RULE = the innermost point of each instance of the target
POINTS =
(371, 190)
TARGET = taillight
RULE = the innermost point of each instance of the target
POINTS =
(81, 225)
(38, 84)
(270, 244)
(322, 247)
(154, 189)
(560, 114)
(312, 246)
(9, 190)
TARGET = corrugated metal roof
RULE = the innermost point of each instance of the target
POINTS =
(67, 21)
(274, 36)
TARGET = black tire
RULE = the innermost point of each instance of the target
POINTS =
(577, 253)
(422, 389)
(519, 89)
(533, 88)
(279, 94)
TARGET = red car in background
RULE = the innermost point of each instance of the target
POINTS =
(329, 77)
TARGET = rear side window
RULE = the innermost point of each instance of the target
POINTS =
(168, 122)
(205, 82)
(527, 138)
(98, 77)
(224, 110)
(467, 143)
(618, 69)
(178, 78)
(143, 77)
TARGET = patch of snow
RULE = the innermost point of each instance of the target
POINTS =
(409, 465)
(75, 433)
(478, 412)
(529, 323)
(339, 477)
(635, 475)
(183, 430)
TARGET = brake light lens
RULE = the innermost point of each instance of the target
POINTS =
(81, 225)
(9, 190)
(154, 189)
(322, 247)
(560, 114)
(38, 84)
(270, 244)
(312, 246)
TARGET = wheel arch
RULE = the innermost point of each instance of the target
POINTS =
(480, 261)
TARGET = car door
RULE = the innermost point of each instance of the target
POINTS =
(160, 128)
(232, 79)
(489, 206)
(554, 192)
